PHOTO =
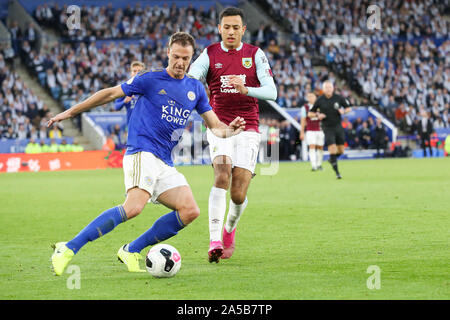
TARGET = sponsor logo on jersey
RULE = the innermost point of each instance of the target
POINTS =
(218, 65)
(162, 91)
(226, 87)
(174, 114)
(247, 63)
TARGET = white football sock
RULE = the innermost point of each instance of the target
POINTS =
(216, 212)
(319, 157)
(234, 214)
(312, 158)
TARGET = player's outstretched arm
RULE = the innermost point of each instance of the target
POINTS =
(219, 128)
(97, 99)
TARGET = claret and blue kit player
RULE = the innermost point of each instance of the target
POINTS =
(237, 75)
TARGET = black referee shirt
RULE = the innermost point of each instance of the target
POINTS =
(330, 107)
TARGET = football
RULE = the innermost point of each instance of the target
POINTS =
(163, 261)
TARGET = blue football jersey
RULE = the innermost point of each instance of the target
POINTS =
(119, 104)
(162, 111)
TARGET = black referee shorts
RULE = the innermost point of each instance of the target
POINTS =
(334, 135)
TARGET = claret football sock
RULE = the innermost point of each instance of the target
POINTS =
(100, 226)
(164, 228)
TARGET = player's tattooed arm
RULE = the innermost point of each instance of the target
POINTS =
(97, 99)
(219, 128)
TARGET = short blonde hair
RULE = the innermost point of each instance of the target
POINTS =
(137, 63)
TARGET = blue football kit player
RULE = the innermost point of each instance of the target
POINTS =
(128, 102)
(167, 98)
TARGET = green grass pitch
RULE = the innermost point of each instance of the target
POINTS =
(304, 235)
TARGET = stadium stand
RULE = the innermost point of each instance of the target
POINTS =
(403, 69)
(375, 71)
(23, 114)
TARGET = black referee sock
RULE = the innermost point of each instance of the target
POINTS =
(333, 162)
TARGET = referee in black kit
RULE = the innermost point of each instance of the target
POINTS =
(329, 107)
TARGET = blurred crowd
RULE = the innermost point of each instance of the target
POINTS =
(403, 79)
(73, 70)
(365, 134)
(23, 114)
(149, 22)
(407, 81)
(407, 19)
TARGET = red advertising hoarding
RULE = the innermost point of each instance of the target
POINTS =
(86, 160)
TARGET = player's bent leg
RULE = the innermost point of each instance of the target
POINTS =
(100, 226)
(135, 202)
(240, 182)
(239, 186)
(181, 200)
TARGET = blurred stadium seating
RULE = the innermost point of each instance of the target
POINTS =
(401, 71)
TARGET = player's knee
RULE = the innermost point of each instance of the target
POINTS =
(133, 210)
(222, 180)
(238, 197)
(189, 213)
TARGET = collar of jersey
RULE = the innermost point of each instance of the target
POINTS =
(226, 50)
(170, 77)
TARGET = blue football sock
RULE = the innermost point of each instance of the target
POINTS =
(164, 228)
(100, 226)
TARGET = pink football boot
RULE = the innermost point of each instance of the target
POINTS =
(215, 251)
(228, 243)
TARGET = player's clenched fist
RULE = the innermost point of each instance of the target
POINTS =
(238, 84)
